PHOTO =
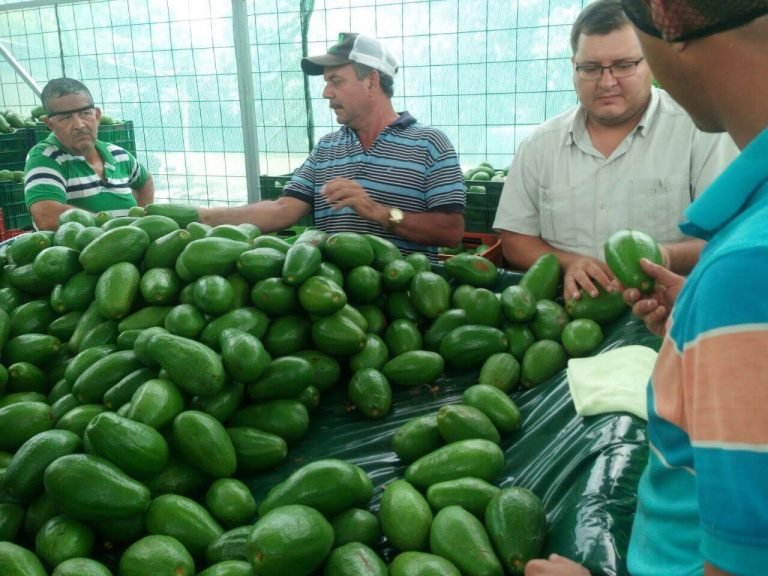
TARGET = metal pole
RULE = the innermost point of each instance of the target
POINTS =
(247, 102)
(34, 4)
(20, 70)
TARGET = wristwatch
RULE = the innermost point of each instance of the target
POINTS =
(396, 216)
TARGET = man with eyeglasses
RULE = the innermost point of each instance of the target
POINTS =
(73, 168)
(703, 497)
(626, 157)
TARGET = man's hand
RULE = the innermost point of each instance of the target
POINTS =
(654, 309)
(555, 565)
(584, 272)
(342, 192)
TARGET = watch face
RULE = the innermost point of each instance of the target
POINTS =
(396, 215)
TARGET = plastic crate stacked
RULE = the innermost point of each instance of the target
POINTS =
(14, 147)
(272, 187)
(15, 213)
(482, 200)
(13, 153)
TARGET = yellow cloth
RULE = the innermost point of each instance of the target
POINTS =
(614, 381)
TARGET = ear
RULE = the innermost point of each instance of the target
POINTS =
(373, 77)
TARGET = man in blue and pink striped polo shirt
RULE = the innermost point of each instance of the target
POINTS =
(703, 498)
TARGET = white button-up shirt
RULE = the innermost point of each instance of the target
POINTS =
(562, 189)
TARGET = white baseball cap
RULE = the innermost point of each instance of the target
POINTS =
(352, 47)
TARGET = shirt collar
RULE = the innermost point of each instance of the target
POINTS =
(100, 146)
(650, 114)
(729, 194)
(404, 119)
(577, 127)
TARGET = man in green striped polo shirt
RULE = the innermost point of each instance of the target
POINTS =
(73, 168)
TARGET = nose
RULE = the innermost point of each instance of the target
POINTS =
(327, 92)
(606, 78)
(77, 121)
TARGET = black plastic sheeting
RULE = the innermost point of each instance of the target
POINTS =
(585, 470)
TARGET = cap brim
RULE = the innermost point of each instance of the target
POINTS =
(315, 65)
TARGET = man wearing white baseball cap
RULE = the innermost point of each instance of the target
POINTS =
(381, 173)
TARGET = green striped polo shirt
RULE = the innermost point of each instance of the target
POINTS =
(54, 173)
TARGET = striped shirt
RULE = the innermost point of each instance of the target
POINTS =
(704, 493)
(54, 173)
(411, 166)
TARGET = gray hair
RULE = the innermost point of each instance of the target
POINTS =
(386, 81)
(59, 87)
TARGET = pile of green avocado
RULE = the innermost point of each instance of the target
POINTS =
(11, 120)
(151, 364)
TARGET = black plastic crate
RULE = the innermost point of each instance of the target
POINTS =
(119, 134)
(272, 186)
(14, 147)
(481, 206)
(15, 213)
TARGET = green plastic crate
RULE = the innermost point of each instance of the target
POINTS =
(119, 134)
(14, 147)
(15, 213)
(271, 188)
(481, 206)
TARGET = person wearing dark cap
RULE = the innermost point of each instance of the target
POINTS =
(382, 172)
(703, 497)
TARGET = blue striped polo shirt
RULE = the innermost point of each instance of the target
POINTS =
(411, 166)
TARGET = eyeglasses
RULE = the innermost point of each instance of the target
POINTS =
(617, 69)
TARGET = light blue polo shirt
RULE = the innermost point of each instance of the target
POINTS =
(704, 493)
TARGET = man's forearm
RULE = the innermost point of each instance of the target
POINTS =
(146, 194)
(268, 215)
(522, 250)
(430, 228)
(683, 256)
(46, 213)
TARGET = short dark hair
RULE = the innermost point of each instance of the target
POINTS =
(386, 81)
(599, 18)
(59, 87)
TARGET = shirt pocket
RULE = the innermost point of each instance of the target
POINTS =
(657, 205)
(559, 216)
